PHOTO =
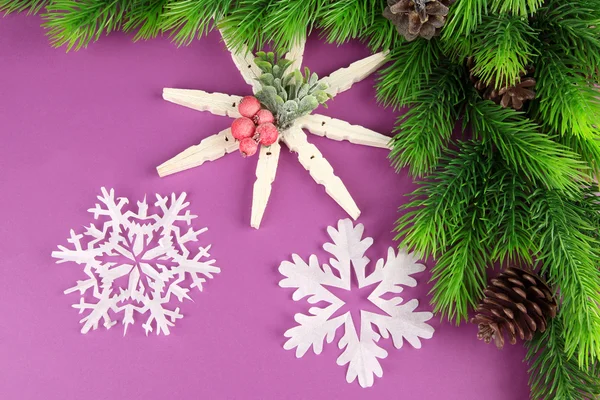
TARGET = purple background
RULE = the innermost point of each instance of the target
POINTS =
(71, 123)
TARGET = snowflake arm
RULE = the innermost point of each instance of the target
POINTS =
(361, 354)
(112, 210)
(209, 149)
(394, 273)
(338, 129)
(312, 330)
(348, 249)
(343, 79)
(309, 280)
(319, 169)
(403, 323)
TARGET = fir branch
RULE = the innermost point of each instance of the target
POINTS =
(573, 31)
(565, 100)
(288, 22)
(570, 253)
(350, 19)
(75, 23)
(31, 6)
(412, 64)
(423, 132)
(382, 34)
(145, 17)
(504, 46)
(459, 273)
(243, 29)
(509, 228)
(346, 19)
(587, 149)
(523, 147)
(555, 375)
(522, 8)
(445, 219)
(463, 18)
(190, 19)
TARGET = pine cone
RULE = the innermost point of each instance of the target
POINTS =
(414, 18)
(517, 302)
(509, 96)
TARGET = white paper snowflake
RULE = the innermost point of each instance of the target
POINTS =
(136, 262)
(361, 351)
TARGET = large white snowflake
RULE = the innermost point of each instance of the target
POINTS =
(136, 262)
(361, 351)
(216, 146)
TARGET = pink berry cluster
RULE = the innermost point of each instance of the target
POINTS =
(255, 126)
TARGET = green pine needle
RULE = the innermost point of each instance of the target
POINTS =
(74, 23)
(289, 22)
(552, 373)
(573, 32)
(463, 18)
(424, 131)
(243, 30)
(523, 147)
(190, 19)
(145, 18)
(521, 8)
(587, 149)
(350, 19)
(346, 19)
(445, 219)
(31, 6)
(503, 47)
(510, 226)
(570, 253)
(565, 100)
(382, 35)
(412, 64)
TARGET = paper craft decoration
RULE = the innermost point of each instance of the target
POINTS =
(216, 146)
(136, 262)
(400, 321)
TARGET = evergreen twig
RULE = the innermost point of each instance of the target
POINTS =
(31, 6)
(423, 132)
(523, 147)
(74, 23)
(555, 375)
(188, 19)
(412, 64)
(570, 254)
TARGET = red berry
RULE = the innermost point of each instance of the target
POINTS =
(248, 147)
(242, 128)
(268, 133)
(249, 106)
(263, 116)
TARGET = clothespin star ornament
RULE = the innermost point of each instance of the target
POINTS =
(294, 137)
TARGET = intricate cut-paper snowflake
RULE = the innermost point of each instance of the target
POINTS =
(136, 262)
(216, 146)
(361, 351)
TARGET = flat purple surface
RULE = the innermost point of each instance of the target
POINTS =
(71, 123)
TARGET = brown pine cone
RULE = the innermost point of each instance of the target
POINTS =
(517, 302)
(414, 18)
(513, 96)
